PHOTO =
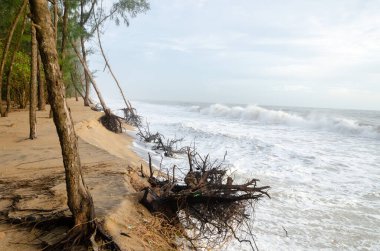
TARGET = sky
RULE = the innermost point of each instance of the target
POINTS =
(308, 53)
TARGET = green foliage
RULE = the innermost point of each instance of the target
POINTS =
(123, 9)
(20, 79)
(78, 26)
(8, 9)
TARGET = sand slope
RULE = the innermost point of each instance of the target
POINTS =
(32, 179)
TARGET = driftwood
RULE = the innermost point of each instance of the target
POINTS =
(131, 116)
(205, 201)
(146, 135)
(168, 146)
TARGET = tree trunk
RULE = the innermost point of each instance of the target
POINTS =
(79, 198)
(88, 72)
(73, 83)
(127, 104)
(84, 56)
(6, 50)
(41, 85)
(76, 95)
(56, 20)
(11, 62)
(86, 77)
(33, 86)
(64, 31)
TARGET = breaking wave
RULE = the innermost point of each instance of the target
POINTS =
(311, 120)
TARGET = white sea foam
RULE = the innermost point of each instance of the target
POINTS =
(323, 167)
(311, 120)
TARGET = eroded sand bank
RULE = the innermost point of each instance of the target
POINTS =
(32, 179)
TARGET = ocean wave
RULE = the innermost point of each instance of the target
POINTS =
(311, 120)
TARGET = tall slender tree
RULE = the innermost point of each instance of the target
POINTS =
(79, 198)
(84, 17)
(6, 49)
(64, 31)
(88, 72)
(33, 85)
(41, 85)
(10, 70)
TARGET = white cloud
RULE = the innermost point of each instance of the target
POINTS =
(320, 48)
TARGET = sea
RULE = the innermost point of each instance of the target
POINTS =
(323, 167)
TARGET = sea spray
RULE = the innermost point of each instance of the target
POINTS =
(311, 120)
(322, 164)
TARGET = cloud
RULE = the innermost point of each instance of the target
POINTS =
(320, 48)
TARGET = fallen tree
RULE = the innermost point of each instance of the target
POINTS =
(146, 135)
(168, 146)
(109, 120)
(130, 115)
(205, 202)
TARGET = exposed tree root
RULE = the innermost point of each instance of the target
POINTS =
(112, 123)
(205, 202)
(131, 116)
(90, 235)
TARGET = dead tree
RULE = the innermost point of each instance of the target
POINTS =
(130, 115)
(146, 135)
(79, 198)
(206, 202)
(109, 120)
(168, 146)
(6, 49)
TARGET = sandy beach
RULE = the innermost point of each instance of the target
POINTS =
(32, 181)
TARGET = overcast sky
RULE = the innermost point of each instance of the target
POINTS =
(323, 53)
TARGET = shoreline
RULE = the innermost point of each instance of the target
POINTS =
(32, 171)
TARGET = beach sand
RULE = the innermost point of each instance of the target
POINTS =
(32, 180)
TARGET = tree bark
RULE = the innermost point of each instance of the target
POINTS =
(11, 63)
(73, 83)
(41, 85)
(86, 77)
(79, 198)
(33, 86)
(56, 20)
(127, 104)
(88, 72)
(84, 56)
(64, 31)
(6, 50)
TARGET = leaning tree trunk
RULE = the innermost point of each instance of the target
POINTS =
(6, 50)
(10, 70)
(107, 111)
(127, 104)
(33, 86)
(79, 198)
